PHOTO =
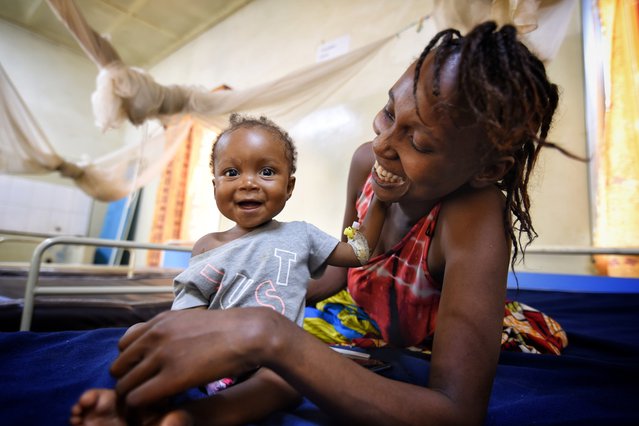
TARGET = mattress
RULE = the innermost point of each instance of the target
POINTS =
(594, 382)
(82, 312)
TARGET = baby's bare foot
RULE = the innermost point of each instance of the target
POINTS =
(96, 407)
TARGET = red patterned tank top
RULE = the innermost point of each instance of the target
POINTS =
(395, 288)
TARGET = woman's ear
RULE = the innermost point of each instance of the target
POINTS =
(493, 172)
(290, 187)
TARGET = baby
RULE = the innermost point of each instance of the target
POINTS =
(260, 261)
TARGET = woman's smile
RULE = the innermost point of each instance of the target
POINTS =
(388, 186)
(386, 177)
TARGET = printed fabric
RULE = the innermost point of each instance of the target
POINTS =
(338, 320)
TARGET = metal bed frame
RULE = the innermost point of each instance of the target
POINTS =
(32, 288)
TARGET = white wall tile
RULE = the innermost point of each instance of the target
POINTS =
(29, 205)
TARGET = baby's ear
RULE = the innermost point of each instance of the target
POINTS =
(290, 187)
(493, 172)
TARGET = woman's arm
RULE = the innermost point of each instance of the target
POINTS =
(164, 359)
(334, 279)
(474, 255)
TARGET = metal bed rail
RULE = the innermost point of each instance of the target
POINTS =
(22, 237)
(32, 289)
(39, 235)
(580, 250)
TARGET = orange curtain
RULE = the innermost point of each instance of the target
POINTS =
(170, 199)
(172, 204)
(617, 219)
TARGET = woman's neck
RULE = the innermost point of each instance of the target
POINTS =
(399, 221)
(409, 214)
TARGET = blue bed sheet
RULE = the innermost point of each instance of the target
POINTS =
(594, 382)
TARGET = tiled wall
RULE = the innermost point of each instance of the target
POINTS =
(34, 206)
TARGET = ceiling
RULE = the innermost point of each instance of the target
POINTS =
(142, 31)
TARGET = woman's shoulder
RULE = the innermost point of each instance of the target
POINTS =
(364, 153)
(473, 215)
(362, 161)
(360, 168)
(487, 201)
(470, 229)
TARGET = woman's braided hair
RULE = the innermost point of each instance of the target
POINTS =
(237, 121)
(507, 91)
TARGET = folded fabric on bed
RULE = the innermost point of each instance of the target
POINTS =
(594, 382)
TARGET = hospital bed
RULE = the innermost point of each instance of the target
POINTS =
(594, 382)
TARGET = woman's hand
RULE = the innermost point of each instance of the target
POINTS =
(178, 350)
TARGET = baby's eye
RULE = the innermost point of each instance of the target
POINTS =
(267, 171)
(231, 172)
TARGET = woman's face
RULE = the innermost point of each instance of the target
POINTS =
(252, 176)
(423, 157)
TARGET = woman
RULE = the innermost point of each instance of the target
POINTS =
(455, 145)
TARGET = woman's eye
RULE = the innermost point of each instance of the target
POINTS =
(421, 146)
(231, 173)
(267, 171)
(421, 149)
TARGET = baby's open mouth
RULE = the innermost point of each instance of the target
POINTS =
(249, 204)
(386, 176)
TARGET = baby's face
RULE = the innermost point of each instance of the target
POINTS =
(252, 176)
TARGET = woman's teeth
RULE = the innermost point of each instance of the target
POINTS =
(385, 175)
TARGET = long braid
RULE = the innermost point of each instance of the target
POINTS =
(447, 37)
(507, 90)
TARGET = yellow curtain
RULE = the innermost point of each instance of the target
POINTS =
(617, 220)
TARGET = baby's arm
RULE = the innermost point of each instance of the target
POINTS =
(344, 254)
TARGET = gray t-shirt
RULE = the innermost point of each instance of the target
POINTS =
(269, 266)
